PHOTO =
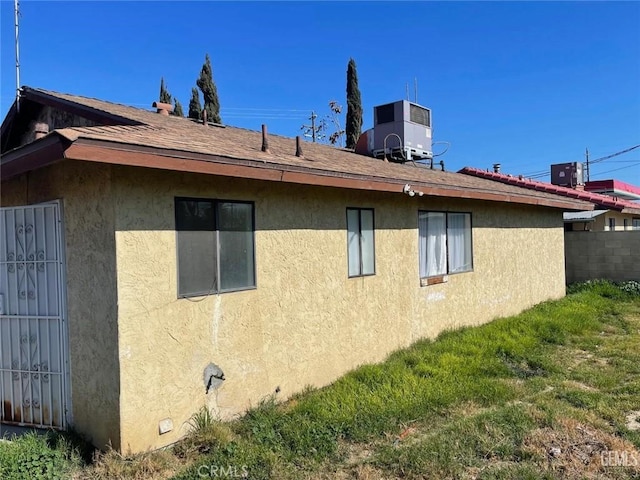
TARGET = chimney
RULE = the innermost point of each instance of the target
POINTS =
(163, 108)
(496, 168)
(298, 147)
(265, 140)
(40, 130)
(204, 117)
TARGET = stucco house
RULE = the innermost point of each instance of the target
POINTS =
(151, 265)
(614, 208)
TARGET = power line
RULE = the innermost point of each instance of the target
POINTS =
(601, 159)
(256, 109)
(620, 168)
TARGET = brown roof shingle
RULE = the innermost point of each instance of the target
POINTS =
(178, 138)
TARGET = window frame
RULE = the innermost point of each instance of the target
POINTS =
(446, 242)
(215, 203)
(373, 232)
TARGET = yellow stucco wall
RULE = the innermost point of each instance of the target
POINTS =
(307, 322)
(601, 222)
(88, 220)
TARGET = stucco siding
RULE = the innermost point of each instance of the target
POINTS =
(306, 322)
(88, 219)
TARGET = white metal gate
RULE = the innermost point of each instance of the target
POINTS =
(33, 342)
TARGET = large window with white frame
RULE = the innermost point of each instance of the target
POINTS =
(360, 242)
(215, 243)
(445, 243)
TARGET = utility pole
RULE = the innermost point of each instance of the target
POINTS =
(586, 156)
(312, 130)
(16, 8)
(313, 126)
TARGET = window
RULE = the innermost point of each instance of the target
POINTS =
(635, 223)
(360, 242)
(445, 243)
(612, 224)
(626, 224)
(215, 241)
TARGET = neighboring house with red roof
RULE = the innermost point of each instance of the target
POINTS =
(151, 265)
(614, 209)
(611, 249)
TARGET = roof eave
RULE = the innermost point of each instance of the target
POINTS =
(632, 211)
(134, 155)
(32, 156)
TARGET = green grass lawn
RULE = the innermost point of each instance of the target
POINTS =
(549, 393)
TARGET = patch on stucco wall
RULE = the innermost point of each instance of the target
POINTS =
(436, 297)
(213, 377)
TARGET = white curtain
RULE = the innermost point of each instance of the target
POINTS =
(459, 237)
(433, 243)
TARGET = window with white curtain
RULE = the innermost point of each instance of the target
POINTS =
(445, 243)
(360, 242)
(215, 243)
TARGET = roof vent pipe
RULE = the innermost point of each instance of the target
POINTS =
(204, 117)
(265, 140)
(299, 147)
(496, 168)
(163, 108)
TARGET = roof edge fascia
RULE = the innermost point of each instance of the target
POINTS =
(32, 156)
(104, 151)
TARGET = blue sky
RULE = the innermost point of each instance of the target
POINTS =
(525, 84)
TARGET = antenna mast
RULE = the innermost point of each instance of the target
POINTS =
(16, 8)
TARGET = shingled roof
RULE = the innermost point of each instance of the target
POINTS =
(598, 199)
(132, 136)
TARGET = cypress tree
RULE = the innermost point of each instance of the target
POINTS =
(165, 96)
(177, 108)
(353, 125)
(195, 109)
(209, 92)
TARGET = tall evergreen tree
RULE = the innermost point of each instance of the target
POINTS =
(209, 92)
(165, 96)
(195, 109)
(353, 125)
(177, 108)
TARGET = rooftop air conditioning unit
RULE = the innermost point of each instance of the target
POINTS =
(567, 174)
(401, 132)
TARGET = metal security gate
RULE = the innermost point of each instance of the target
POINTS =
(33, 342)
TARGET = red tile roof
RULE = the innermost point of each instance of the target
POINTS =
(600, 200)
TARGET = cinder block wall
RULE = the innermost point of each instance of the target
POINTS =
(611, 255)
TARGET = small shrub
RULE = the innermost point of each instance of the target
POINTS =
(38, 457)
(206, 434)
(606, 288)
(631, 287)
